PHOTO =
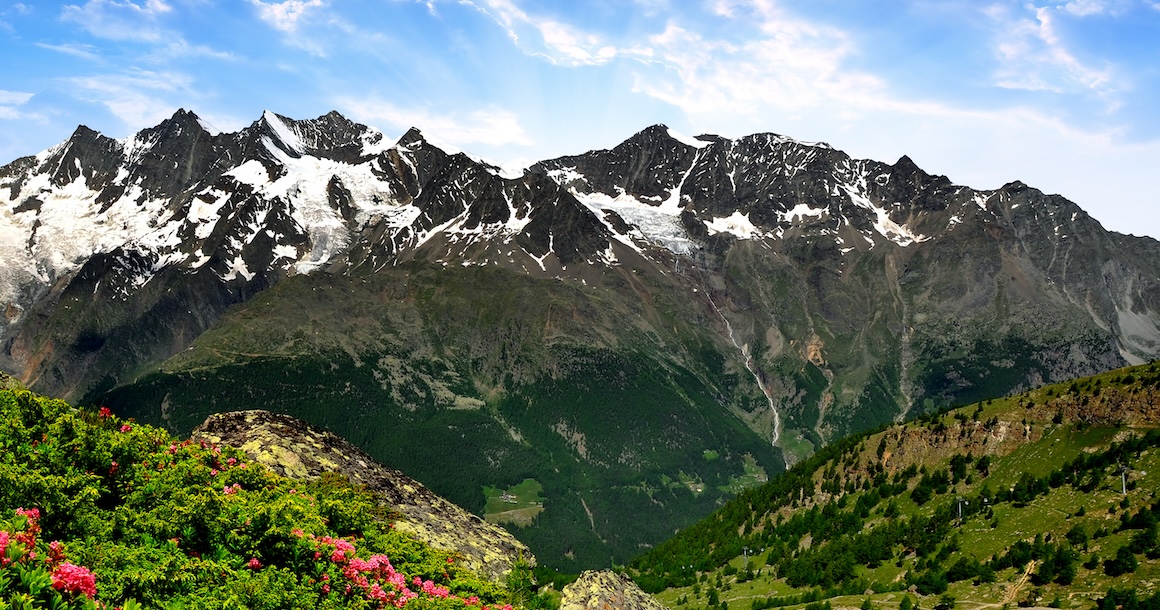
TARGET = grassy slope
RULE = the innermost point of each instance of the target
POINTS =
(1029, 435)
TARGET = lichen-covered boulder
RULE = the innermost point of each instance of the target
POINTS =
(606, 590)
(296, 449)
(8, 382)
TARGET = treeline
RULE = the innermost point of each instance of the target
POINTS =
(713, 541)
(457, 452)
(840, 544)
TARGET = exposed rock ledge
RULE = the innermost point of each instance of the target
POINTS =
(298, 450)
(606, 590)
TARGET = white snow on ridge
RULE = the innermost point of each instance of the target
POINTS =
(286, 134)
(886, 227)
(304, 186)
(801, 211)
(687, 140)
(658, 224)
(69, 228)
(737, 224)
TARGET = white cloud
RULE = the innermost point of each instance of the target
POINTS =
(79, 50)
(10, 102)
(1083, 8)
(1033, 56)
(140, 98)
(181, 48)
(784, 64)
(119, 20)
(562, 43)
(489, 126)
(284, 16)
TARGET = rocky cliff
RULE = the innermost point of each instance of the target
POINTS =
(293, 448)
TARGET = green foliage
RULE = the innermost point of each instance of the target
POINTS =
(1128, 599)
(1124, 562)
(843, 524)
(182, 524)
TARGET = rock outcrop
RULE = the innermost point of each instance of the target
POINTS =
(296, 449)
(606, 590)
(7, 382)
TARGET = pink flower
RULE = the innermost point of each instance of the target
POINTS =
(126, 427)
(55, 552)
(33, 514)
(213, 472)
(232, 461)
(104, 413)
(325, 588)
(361, 565)
(74, 579)
(254, 564)
(376, 592)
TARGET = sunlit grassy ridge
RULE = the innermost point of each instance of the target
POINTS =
(169, 523)
(1047, 498)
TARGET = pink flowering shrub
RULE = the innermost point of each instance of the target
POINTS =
(37, 575)
(134, 514)
(74, 579)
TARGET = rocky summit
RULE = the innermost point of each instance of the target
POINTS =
(637, 333)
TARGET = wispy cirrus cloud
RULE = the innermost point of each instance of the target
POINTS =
(11, 103)
(460, 129)
(552, 39)
(87, 52)
(1033, 56)
(771, 61)
(138, 98)
(119, 20)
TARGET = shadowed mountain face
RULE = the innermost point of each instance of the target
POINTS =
(631, 327)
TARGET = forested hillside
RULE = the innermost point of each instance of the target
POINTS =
(1046, 498)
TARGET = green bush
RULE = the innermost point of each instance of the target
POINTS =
(146, 518)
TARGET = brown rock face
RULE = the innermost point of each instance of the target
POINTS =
(296, 449)
(606, 590)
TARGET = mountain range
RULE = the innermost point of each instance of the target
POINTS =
(642, 331)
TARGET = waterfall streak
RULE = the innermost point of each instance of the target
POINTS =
(751, 365)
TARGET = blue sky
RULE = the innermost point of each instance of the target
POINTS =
(1063, 95)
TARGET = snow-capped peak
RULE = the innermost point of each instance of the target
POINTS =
(285, 133)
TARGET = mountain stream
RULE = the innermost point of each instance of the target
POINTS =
(751, 365)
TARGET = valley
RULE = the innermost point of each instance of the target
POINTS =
(602, 323)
